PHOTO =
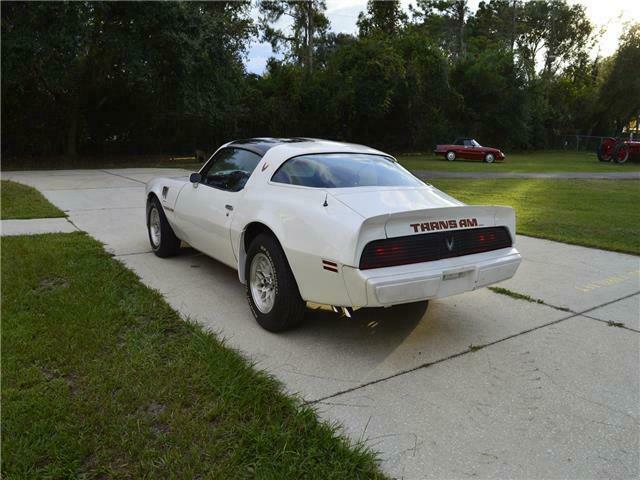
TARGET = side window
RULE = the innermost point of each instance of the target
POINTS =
(230, 169)
(298, 171)
(468, 143)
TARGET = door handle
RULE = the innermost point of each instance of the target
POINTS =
(229, 207)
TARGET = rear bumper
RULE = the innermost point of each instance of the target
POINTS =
(383, 287)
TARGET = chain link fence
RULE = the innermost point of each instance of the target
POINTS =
(586, 143)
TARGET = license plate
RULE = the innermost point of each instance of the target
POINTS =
(452, 276)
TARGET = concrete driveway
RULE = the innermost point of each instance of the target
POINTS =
(482, 385)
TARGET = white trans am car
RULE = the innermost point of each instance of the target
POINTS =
(342, 226)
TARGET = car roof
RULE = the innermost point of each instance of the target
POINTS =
(262, 145)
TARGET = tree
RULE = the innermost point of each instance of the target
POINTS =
(127, 77)
(495, 24)
(382, 17)
(619, 93)
(445, 21)
(558, 30)
(309, 27)
(120, 76)
(495, 99)
(43, 65)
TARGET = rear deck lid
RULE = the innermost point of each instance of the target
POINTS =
(373, 201)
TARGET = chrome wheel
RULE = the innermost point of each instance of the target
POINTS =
(262, 282)
(489, 158)
(451, 156)
(154, 227)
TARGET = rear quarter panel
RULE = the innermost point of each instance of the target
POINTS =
(309, 233)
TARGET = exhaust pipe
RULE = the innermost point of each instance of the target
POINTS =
(343, 311)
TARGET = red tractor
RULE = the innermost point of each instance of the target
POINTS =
(618, 150)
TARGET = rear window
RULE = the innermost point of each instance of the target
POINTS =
(344, 170)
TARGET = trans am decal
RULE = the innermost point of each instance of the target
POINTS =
(444, 225)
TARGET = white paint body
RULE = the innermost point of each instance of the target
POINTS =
(310, 232)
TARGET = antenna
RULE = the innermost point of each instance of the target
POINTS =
(325, 204)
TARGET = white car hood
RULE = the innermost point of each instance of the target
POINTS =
(370, 202)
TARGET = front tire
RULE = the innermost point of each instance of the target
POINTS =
(271, 289)
(451, 156)
(162, 238)
(604, 153)
(489, 158)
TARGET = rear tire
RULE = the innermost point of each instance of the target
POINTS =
(451, 155)
(271, 289)
(162, 238)
(621, 153)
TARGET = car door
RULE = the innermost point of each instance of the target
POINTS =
(459, 148)
(473, 152)
(204, 210)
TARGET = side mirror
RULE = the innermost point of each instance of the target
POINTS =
(195, 178)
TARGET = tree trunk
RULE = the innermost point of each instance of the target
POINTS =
(460, 6)
(513, 26)
(310, 28)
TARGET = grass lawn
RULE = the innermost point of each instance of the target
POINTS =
(21, 201)
(595, 213)
(527, 162)
(538, 162)
(102, 379)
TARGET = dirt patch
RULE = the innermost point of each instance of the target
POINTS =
(50, 284)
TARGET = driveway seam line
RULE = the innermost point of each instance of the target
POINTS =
(100, 209)
(612, 324)
(132, 253)
(122, 176)
(472, 348)
(85, 188)
(608, 303)
(74, 225)
(568, 310)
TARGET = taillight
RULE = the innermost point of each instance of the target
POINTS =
(433, 246)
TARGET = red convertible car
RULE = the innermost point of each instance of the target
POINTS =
(469, 149)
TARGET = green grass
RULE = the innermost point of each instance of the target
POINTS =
(596, 213)
(525, 162)
(102, 379)
(21, 201)
(531, 162)
(515, 295)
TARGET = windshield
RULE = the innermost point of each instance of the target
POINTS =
(344, 170)
(474, 143)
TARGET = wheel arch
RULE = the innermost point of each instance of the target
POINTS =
(249, 233)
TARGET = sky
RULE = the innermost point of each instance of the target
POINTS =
(607, 14)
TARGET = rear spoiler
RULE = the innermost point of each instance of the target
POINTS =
(429, 220)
